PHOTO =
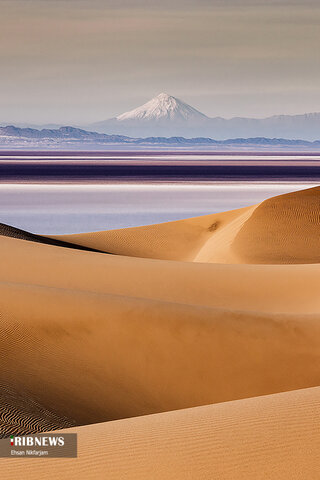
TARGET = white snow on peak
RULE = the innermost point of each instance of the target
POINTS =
(163, 107)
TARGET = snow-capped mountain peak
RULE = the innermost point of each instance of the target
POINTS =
(168, 116)
(163, 107)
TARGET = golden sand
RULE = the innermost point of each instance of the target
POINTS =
(220, 313)
(275, 437)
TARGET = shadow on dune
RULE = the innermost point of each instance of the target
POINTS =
(13, 232)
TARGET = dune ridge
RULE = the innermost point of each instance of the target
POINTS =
(280, 230)
(274, 437)
(13, 232)
(117, 334)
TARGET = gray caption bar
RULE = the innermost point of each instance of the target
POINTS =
(42, 445)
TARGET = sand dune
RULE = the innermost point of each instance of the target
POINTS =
(281, 230)
(284, 229)
(220, 308)
(181, 240)
(274, 437)
(263, 288)
(143, 356)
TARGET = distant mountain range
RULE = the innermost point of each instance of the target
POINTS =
(167, 116)
(76, 138)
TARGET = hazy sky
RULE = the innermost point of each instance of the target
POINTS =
(78, 61)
